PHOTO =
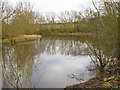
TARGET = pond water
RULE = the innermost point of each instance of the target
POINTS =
(46, 63)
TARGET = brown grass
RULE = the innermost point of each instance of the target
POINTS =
(28, 36)
(74, 34)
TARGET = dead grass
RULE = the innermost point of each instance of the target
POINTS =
(21, 38)
(28, 36)
(74, 34)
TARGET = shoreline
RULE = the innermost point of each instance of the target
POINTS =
(106, 79)
(72, 34)
(23, 38)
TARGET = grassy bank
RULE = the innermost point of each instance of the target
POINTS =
(21, 38)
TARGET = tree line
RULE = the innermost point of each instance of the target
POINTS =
(23, 20)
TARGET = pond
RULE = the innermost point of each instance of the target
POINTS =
(50, 62)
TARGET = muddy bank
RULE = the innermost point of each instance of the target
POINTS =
(110, 78)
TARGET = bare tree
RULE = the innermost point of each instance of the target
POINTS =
(7, 11)
(106, 33)
(62, 17)
(53, 16)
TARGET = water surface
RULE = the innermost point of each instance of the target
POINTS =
(47, 63)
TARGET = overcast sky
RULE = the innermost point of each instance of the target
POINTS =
(57, 6)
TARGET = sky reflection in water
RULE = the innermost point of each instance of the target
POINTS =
(59, 68)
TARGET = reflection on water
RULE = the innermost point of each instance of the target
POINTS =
(57, 69)
(46, 63)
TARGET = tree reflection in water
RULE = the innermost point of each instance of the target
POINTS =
(18, 65)
(21, 60)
